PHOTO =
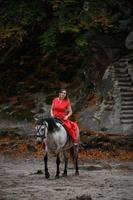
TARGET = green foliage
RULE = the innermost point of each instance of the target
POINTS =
(81, 43)
(16, 17)
(21, 13)
(48, 41)
(68, 17)
(62, 23)
(11, 35)
(74, 18)
(68, 28)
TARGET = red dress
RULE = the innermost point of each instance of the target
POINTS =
(60, 111)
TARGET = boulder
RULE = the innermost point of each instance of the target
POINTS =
(129, 41)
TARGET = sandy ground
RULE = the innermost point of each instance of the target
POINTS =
(97, 180)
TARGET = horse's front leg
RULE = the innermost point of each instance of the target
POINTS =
(66, 163)
(47, 175)
(58, 164)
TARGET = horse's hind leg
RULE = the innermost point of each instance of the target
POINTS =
(47, 175)
(66, 163)
(58, 164)
(76, 159)
(76, 167)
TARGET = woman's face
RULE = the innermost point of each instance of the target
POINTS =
(62, 94)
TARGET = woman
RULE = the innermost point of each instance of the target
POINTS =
(61, 109)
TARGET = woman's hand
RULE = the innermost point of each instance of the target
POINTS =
(69, 113)
(66, 117)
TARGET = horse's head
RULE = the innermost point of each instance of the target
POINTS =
(43, 126)
(41, 130)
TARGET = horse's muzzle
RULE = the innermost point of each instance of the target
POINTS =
(38, 140)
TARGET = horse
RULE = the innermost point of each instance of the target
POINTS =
(54, 138)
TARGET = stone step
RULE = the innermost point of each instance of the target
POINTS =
(120, 63)
(126, 103)
(125, 83)
(130, 96)
(125, 87)
(121, 71)
(121, 67)
(124, 79)
(128, 112)
(125, 121)
(123, 75)
(129, 99)
(124, 59)
(128, 89)
(125, 108)
(119, 75)
(127, 93)
(126, 118)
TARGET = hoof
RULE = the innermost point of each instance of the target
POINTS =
(47, 175)
(64, 174)
(57, 176)
(76, 173)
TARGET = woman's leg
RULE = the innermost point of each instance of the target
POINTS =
(72, 129)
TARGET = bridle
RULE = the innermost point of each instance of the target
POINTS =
(43, 136)
(46, 127)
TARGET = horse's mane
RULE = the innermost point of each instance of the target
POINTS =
(51, 123)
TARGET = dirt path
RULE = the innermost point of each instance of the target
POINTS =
(97, 180)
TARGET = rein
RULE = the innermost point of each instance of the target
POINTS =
(59, 122)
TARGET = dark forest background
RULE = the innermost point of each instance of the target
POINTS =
(49, 44)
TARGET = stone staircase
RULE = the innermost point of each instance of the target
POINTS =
(114, 111)
(124, 76)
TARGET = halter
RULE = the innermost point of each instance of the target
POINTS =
(38, 130)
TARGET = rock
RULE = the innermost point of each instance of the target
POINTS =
(31, 148)
(13, 145)
(82, 197)
(129, 41)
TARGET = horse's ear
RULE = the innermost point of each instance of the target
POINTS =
(45, 123)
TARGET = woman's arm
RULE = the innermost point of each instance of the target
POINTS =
(51, 111)
(69, 111)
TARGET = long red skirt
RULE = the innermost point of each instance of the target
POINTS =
(71, 128)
